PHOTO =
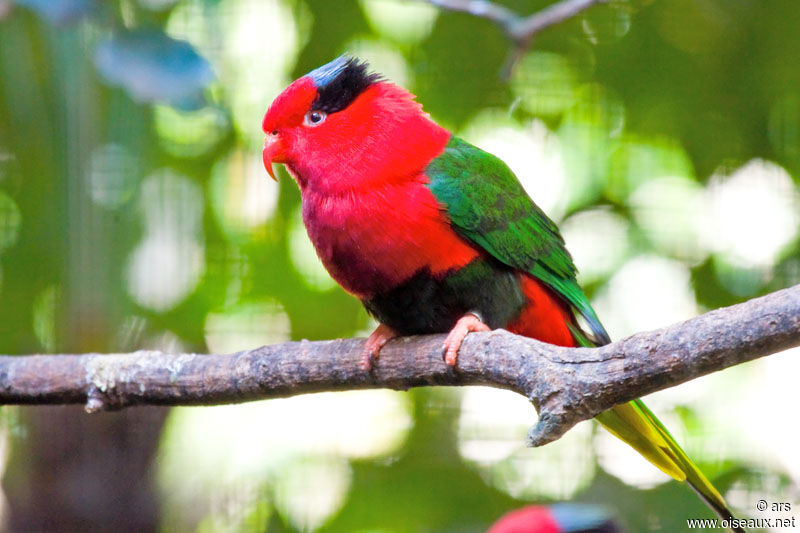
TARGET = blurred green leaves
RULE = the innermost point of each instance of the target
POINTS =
(10, 220)
(135, 212)
(61, 11)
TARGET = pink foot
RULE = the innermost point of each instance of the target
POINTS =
(452, 343)
(375, 342)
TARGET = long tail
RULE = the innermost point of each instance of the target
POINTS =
(637, 426)
(548, 318)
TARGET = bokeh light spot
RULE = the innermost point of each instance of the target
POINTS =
(44, 317)
(607, 23)
(531, 151)
(247, 446)
(382, 58)
(647, 292)
(400, 21)
(245, 326)
(598, 241)
(243, 197)
(637, 160)
(190, 133)
(491, 434)
(254, 45)
(114, 175)
(167, 264)
(755, 212)
(672, 212)
(308, 491)
(545, 83)
(163, 270)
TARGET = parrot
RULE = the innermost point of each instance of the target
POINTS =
(557, 518)
(435, 235)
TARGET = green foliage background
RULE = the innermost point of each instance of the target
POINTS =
(134, 213)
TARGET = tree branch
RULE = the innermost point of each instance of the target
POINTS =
(520, 30)
(566, 385)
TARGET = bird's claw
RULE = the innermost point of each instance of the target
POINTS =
(466, 324)
(375, 342)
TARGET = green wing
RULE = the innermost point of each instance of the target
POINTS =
(487, 205)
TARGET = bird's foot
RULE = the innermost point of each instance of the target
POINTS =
(375, 342)
(467, 323)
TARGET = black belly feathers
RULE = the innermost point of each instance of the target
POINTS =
(432, 304)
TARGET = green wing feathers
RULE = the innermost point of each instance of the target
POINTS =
(487, 205)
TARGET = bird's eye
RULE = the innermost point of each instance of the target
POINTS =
(315, 118)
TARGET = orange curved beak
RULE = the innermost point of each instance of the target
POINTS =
(272, 153)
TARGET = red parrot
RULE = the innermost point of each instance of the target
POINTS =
(434, 235)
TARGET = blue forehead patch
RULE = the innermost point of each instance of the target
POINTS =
(340, 82)
(328, 72)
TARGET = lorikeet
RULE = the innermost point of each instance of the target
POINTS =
(558, 518)
(435, 235)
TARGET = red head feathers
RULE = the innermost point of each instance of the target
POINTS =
(340, 127)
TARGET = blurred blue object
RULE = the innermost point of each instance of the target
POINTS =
(559, 518)
(154, 67)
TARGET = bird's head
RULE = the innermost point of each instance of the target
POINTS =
(341, 125)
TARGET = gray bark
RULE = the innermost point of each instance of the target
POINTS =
(566, 385)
